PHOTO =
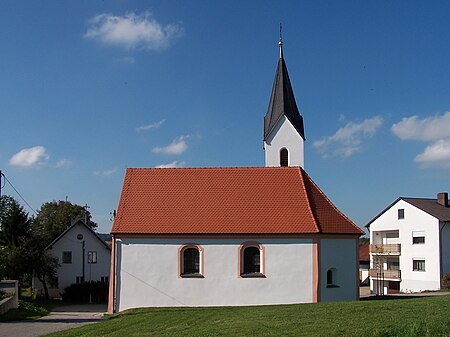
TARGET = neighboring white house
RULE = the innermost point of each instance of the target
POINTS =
(410, 245)
(82, 255)
(234, 236)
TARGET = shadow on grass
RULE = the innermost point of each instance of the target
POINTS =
(391, 297)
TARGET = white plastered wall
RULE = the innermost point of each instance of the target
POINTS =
(148, 274)
(68, 272)
(284, 135)
(339, 254)
(414, 220)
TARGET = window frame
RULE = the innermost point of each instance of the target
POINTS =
(419, 240)
(332, 274)
(92, 257)
(181, 251)
(419, 265)
(282, 157)
(418, 236)
(241, 261)
(65, 261)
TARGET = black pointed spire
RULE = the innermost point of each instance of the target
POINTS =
(282, 100)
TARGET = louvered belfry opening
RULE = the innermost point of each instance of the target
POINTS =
(284, 157)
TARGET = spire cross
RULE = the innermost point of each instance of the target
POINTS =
(281, 41)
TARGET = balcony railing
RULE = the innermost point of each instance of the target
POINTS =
(385, 249)
(389, 273)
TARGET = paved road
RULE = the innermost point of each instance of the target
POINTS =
(61, 318)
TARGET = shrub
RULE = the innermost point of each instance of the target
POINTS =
(3, 295)
(446, 281)
(87, 292)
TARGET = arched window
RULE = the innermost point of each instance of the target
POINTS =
(191, 261)
(284, 157)
(251, 261)
(331, 278)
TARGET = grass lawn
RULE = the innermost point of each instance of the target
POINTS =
(393, 317)
(27, 310)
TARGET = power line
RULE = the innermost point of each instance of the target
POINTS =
(20, 195)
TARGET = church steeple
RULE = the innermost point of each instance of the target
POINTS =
(282, 100)
(283, 108)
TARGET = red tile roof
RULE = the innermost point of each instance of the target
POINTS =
(245, 200)
(364, 251)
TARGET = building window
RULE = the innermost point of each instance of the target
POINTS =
(80, 279)
(191, 260)
(284, 157)
(418, 237)
(419, 265)
(92, 257)
(104, 279)
(67, 257)
(401, 213)
(251, 262)
(331, 278)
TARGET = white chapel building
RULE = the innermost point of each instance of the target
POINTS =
(234, 236)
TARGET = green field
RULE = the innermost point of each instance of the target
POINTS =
(391, 317)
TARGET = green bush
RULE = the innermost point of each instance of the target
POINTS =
(446, 281)
(87, 292)
(3, 295)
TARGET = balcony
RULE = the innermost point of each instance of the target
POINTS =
(385, 274)
(389, 249)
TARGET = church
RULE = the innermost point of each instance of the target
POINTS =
(234, 236)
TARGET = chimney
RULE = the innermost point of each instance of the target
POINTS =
(442, 199)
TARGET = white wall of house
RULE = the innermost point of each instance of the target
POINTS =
(148, 274)
(284, 135)
(339, 254)
(68, 272)
(415, 220)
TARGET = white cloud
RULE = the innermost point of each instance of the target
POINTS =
(348, 139)
(150, 126)
(105, 172)
(63, 163)
(426, 129)
(435, 130)
(174, 164)
(436, 154)
(132, 31)
(177, 147)
(30, 157)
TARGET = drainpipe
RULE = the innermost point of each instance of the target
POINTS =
(440, 254)
(83, 263)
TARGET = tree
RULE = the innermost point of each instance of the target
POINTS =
(56, 216)
(15, 230)
(44, 266)
(15, 225)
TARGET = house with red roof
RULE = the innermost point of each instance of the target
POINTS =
(237, 235)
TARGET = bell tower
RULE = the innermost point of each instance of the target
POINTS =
(284, 134)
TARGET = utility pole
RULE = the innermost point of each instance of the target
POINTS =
(1, 175)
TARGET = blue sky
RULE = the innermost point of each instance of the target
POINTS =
(88, 88)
